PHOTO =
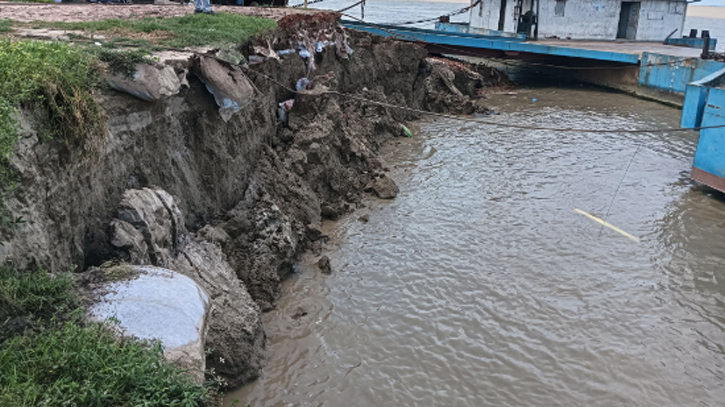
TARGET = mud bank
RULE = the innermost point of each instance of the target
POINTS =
(179, 186)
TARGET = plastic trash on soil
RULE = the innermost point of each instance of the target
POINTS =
(312, 33)
(232, 90)
(303, 84)
(283, 108)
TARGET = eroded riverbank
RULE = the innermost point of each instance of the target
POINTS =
(479, 285)
(218, 165)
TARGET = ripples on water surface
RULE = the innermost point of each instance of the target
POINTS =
(479, 285)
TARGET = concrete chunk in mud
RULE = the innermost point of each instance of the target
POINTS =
(148, 82)
(159, 304)
(151, 220)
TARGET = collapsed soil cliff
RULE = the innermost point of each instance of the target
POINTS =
(252, 186)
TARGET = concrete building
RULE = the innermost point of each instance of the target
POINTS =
(645, 20)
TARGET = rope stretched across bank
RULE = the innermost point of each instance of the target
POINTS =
(434, 114)
(476, 120)
(308, 3)
(360, 3)
(451, 14)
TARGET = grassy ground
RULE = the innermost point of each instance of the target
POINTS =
(6, 25)
(49, 358)
(187, 31)
(54, 75)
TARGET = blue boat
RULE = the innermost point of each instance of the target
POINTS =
(705, 107)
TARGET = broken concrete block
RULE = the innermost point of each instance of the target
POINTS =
(159, 304)
(148, 82)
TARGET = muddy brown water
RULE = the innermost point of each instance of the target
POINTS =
(479, 285)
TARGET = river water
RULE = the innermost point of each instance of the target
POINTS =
(480, 285)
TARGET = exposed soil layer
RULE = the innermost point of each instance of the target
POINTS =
(253, 185)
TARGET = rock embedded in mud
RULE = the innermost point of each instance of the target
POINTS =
(155, 215)
(128, 239)
(159, 304)
(299, 313)
(314, 232)
(214, 235)
(324, 265)
(235, 332)
(330, 212)
(385, 188)
(364, 218)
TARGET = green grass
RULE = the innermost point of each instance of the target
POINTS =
(34, 295)
(90, 366)
(56, 77)
(191, 30)
(75, 364)
(6, 25)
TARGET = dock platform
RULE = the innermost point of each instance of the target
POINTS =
(457, 43)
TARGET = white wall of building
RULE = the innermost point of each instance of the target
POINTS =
(583, 19)
(588, 19)
(657, 19)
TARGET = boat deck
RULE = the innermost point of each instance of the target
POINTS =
(625, 47)
(459, 43)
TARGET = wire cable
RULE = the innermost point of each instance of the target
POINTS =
(451, 14)
(428, 113)
(477, 120)
(352, 6)
(308, 3)
(616, 191)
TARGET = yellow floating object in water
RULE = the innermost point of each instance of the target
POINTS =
(609, 225)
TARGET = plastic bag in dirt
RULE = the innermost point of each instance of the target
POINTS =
(303, 84)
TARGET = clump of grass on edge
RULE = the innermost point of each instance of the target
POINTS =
(78, 364)
(33, 295)
(123, 61)
(6, 25)
(57, 77)
(186, 31)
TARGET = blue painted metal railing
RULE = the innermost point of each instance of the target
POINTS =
(674, 73)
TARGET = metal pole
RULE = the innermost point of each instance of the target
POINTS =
(536, 17)
(705, 48)
(531, 19)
